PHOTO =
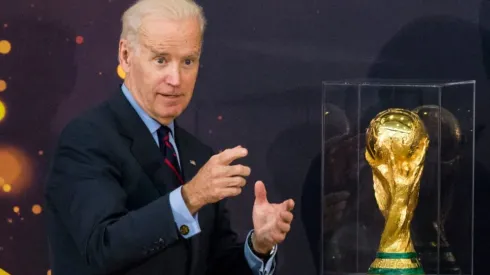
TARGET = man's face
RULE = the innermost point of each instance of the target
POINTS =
(161, 72)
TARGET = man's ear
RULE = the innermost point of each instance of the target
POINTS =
(124, 54)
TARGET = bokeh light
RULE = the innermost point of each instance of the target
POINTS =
(49, 272)
(3, 272)
(37, 209)
(16, 210)
(16, 170)
(7, 188)
(3, 85)
(120, 72)
(3, 110)
(79, 39)
(5, 47)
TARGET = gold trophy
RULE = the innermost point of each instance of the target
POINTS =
(396, 146)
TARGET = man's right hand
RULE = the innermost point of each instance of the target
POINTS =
(216, 180)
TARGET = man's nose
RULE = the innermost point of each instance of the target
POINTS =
(173, 76)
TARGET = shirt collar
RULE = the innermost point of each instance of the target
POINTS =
(150, 123)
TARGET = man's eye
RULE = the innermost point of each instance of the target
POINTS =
(188, 61)
(161, 60)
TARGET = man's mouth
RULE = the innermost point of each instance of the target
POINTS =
(171, 95)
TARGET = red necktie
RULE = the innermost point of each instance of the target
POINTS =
(168, 152)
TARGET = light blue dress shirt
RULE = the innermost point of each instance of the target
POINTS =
(180, 211)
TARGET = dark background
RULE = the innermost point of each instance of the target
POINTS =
(259, 86)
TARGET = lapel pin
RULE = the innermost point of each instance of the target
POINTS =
(193, 162)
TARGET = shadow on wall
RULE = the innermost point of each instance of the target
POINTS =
(288, 158)
(438, 47)
(40, 72)
(282, 131)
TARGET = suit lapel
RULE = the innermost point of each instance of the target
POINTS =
(143, 146)
(187, 159)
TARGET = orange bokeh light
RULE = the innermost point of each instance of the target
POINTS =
(5, 47)
(6, 188)
(16, 170)
(37, 209)
(16, 209)
(3, 85)
(120, 72)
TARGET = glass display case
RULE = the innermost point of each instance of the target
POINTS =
(397, 177)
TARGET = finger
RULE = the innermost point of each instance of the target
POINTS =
(230, 192)
(237, 170)
(278, 237)
(283, 227)
(260, 193)
(218, 171)
(229, 155)
(236, 182)
(286, 216)
(229, 182)
(288, 205)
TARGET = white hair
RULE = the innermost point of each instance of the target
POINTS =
(167, 9)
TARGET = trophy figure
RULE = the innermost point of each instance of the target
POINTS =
(396, 146)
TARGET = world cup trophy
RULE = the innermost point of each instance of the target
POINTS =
(396, 146)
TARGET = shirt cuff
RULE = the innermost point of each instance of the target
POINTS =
(187, 224)
(256, 264)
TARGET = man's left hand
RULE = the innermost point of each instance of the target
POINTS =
(271, 221)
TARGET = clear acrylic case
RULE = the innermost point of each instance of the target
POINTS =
(442, 225)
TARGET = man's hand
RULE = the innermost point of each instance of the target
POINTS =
(271, 221)
(216, 180)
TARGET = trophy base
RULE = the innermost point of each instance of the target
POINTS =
(396, 264)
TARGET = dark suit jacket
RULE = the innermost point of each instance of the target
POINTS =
(107, 202)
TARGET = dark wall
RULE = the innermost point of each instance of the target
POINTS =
(259, 86)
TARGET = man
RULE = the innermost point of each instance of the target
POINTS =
(130, 192)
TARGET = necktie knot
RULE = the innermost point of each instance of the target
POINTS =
(164, 133)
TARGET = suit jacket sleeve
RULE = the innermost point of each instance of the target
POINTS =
(84, 189)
